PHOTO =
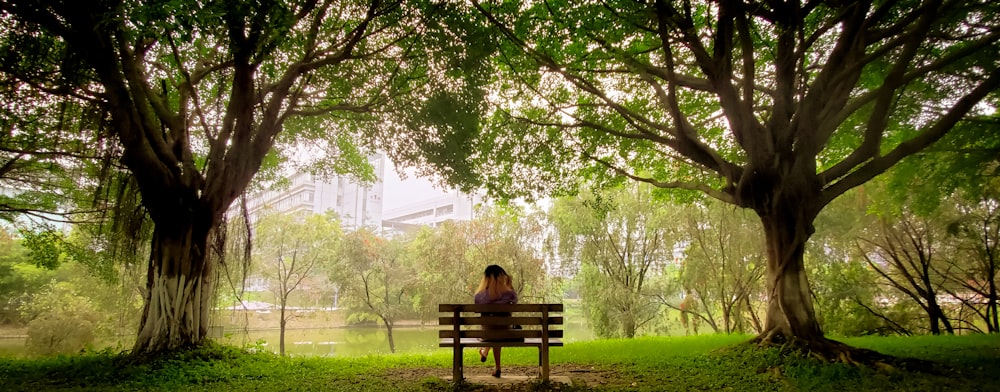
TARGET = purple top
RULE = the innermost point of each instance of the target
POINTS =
(507, 297)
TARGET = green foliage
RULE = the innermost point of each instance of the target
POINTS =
(433, 128)
(295, 248)
(618, 240)
(448, 274)
(62, 321)
(378, 278)
(452, 256)
(45, 246)
(846, 289)
(66, 308)
(964, 162)
(20, 278)
(723, 267)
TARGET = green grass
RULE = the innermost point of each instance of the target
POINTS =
(703, 363)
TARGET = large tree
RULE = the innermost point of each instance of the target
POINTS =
(197, 93)
(774, 106)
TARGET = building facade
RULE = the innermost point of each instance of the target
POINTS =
(358, 205)
(454, 206)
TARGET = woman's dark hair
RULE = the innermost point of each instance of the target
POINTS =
(494, 271)
(495, 282)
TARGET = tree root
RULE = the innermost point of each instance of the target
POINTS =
(831, 351)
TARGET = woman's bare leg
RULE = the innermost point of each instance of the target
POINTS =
(496, 360)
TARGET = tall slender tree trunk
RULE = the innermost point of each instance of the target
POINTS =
(388, 332)
(932, 316)
(753, 314)
(178, 288)
(992, 324)
(282, 323)
(727, 321)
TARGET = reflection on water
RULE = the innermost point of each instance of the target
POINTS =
(360, 341)
(351, 341)
(339, 341)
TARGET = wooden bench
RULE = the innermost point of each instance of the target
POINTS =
(535, 319)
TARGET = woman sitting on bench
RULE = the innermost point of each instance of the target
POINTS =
(496, 288)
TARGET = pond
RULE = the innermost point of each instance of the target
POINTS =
(343, 341)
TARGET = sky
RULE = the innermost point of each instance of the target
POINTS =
(397, 192)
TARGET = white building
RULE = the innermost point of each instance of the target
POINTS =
(358, 205)
(454, 206)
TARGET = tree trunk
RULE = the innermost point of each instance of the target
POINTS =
(388, 332)
(993, 323)
(937, 317)
(790, 313)
(178, 289)
(753, 314)
(727, 321)
(994, 326)
(282, 322)
(628, 326)
(933, 320)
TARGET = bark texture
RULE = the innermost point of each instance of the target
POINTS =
(178, 291)
(790, 310)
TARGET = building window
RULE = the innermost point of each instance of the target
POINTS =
(446, 210)
(415, 215)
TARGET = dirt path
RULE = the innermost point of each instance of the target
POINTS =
(516, 378)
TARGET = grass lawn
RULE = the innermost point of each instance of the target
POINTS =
(702, 363)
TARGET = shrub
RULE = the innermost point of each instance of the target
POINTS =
(61, 321)
(59, 334)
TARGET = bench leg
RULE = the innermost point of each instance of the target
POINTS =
(543, 359)
(456, 365)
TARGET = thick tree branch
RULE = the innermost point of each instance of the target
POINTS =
(702, 156)
(833, 86)
(878, 165)
(878, 120)
(659, 184)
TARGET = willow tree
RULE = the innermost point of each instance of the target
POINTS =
(197, 94)
(774, 106)
(623, 240)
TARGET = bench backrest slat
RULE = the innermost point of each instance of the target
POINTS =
(486, 320)
(533, 318)
(509, 308)
(499, 334)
